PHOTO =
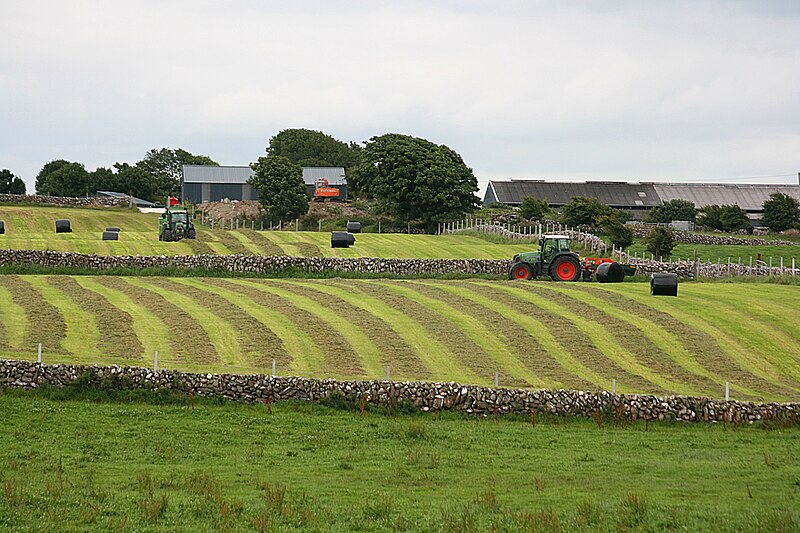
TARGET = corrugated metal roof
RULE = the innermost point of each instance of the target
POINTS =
(748, 197)
(212, 174)
(614, 194)
(137, 201)
(239, 175)
(334, 175)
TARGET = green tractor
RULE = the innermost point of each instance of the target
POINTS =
(175, 224)
(553, 259)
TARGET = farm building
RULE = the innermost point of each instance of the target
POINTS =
(638, 198)
(203, 183)
(138, 202)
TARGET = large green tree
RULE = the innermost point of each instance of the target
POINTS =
(11, 184)
(166, 166)
(672, 210)
(62, 178)
(724, 218)
(416, 179)
(781, 212)
(280, 186)
(585, 211)
(534, 209)
(311, 148)
(660, 242)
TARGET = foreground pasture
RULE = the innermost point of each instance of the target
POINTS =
(533, 334)
(77, 465)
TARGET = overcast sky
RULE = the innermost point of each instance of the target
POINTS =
(637, 91)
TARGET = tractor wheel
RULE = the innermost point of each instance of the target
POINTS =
(520, 271)
(167, 235)
(565, 269)
(191, 234)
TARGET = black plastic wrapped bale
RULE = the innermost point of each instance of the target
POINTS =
(610, 273)
(664, 284)
(62, 226)
(113, 229)
(351, 239)
(2, 227)
(110, 236)
(339, 239)
(354, 227)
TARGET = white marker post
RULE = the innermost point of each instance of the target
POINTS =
(273, 368)
(727, 390)
(40, 352)
(155, 362)
(613, 386)
(388, 374)
(496, 380)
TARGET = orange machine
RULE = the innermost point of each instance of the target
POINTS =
(323, 191)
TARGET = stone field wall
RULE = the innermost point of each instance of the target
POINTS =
(686, 237)
(63, 200)
(426, 396)
(256, 264)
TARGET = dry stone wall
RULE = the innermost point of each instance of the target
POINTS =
(686, 237)
(256, 264)
(426, 396)
(63, 200)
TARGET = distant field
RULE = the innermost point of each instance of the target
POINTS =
(32, 228)
(535, 334)
(77, 465)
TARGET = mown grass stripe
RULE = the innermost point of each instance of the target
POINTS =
(659, 336)
(45, 324)
(628, 336)
(219, 331)
(305, 357)
(152, 334)
(535, 328)
(603, 339)
(778, 350)
(440, 362)
(473, 329)
(259, 344)
(362, 347)
(771, 303)
(189, 344)
(197, 246)
(265, 245)
(231, 243)
(244, 239)
(752, 362)
(13, 321)
(394, 352)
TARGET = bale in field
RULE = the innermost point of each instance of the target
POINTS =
(664, 284)
(340, 239)
(353, 227)
(63, 226)
(113, 229)
(110, 236)
(2, 227)
(610, 273)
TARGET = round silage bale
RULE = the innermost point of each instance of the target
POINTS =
(610, 273)
(664, 284)
(110, 236)
(354, 227)
(63, 226)
(113, 229)
(339, 239)
(2, 227)
(351, 239)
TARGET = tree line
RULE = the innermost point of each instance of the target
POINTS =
(155, 177)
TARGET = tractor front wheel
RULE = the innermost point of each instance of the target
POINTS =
(520, 271)
(565, 269)
(167, 236)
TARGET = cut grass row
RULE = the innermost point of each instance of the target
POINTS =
(534, 334)
(77, 465)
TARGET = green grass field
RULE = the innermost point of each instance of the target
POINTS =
(713, 252)
(32, 228)
(77, 465)
(534, 334)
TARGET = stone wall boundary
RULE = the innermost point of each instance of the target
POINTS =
(64, 201)
(426, 396)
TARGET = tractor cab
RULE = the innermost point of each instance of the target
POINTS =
(554, 258)
(175, 224)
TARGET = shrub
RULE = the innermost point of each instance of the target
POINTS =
(660, 242)
(534, 209)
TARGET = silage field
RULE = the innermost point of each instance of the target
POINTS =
(534, 334)
(32, 228)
